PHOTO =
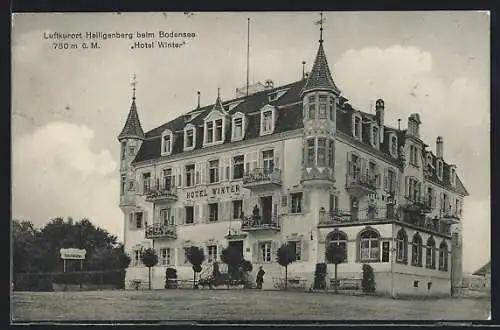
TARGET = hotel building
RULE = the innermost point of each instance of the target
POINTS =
(293, 164)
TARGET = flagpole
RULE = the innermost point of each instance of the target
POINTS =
(248, 54)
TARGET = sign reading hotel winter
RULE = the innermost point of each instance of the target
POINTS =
(73, 254)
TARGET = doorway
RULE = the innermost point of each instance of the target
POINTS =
(266, 205)
(238, 245)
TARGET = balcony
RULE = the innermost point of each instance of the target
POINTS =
(257, 223)
(360, 185)
(422, 204)
(160, 230)
(262, 178)
(161, 193)
(126, 200)
(450, 216)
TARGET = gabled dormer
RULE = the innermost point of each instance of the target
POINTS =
(167, 141)
(238, 126)
(189, 137)
(374, 135)
(357, 126)
(439, 169)
(274, 96)
(453, 175)
(215, 124)
(267, 120)
(233, 105)
(429, 161)
(393, 144)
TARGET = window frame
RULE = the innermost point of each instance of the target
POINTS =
(373, 246)
(298, 246)
(416, 250)
(402, 246)
(264, 112)
(215, 170)
(191, 176)
(164, 150)
(237, 117)
(265, 251)
(212, 253)
(294, 207)
(238, 165)
(189, 128)
(338, 238)
(191, 221)
(213, 217)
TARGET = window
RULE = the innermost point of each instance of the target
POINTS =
(268, 160)
(413, 189)
(333, 203)
(401, 246)
(385, 251)
(267, 121)
(416, 251)
(443, 256)
(218, 130)
(165, 256)
(213, 170)
(372, 167)
(323, 100)
(165, 216)
(357, 127)
(414, 155)
(457, 207)
(190, 175)
(131, 185)
(394, 146)
(429, 285)
(355, 165)
(452, 176)
(321, 151)
(146, 182)
(338, 238)
(430, 260)
(444, 203)
(131, 151)
(168, 178)
(439, 166)
(311, 110)
(296, 206)
(212, 253)
(265, 251)
(136, 259)
(332, 108)
(331, 153)
(310, 151)
(138, 220)
(237, 209)
(123, 150)
(391, 177)
(369, 246)
(415, 284)
(237, 128)
(189, 211)
(189, 142)
(210, 132)
(375, 136)
(238, 166)
(166, 143)
(297, 247)
(213, 212)
(122, 184)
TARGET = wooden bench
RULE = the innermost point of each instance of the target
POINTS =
(138, 284)
(294, 282)
(346, 283)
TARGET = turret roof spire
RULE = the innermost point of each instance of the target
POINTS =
(320, 77)
(132, 128)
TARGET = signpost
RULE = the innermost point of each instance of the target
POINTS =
(72, 254)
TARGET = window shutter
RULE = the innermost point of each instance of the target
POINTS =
(179, 182)
(386, 179)
(255, 159)
(227, 164)
(205, 215)
(433, 200)
(277, 162)
(274, 250)
(275, 211)
(350, 165)
(221, 169)
(255, 253)
(229, 210)
(173, 177)
(304, 250)
(407, 186)
(247, 162)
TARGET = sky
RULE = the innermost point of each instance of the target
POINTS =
(69, 105)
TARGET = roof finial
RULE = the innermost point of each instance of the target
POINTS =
(321, 28)
(133, 83)
(303, 69)
(399, 123)
(198, 99)
(218, 92)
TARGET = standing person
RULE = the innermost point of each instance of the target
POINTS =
(260, 277)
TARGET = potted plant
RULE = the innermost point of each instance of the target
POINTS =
(171, 278)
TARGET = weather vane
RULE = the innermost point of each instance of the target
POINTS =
(320, 23)
(133, 83)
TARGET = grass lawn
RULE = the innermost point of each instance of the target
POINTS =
(235, 305)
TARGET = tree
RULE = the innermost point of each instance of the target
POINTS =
(368, 281)
(150, 259)
(335, 255)
(233, 258)
(195, 257)
(285, 256)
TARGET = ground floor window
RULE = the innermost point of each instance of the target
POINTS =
(136, 258)
(296, 246)
(338, 238)
(265, 250)
(369, 246)
(165, 257)
(212, 253)
(213, 209)
(189, 214)
(443, 256)
(237, 209)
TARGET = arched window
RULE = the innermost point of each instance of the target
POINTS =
(416, 251)
(369, 241)
(443, 256)
(402, 246)
(338, 238)
(430, 256)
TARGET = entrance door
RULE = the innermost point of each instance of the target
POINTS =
(238, 245)
(266, 205)
(354, 208)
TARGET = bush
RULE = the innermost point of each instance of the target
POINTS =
(368, 281)
(320, 276)
(247, 266)
(170, 274)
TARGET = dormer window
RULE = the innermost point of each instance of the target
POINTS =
(189, 137)
(218, 130)
(210, 132)
(356, 127)
(267, 120)
(215, 124)
(238, 130)
(452, 176)
(374, 136)
(394, 145)
(439, 169)
(166, 143)
(323, 103)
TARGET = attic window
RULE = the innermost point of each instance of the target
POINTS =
(238, 131)
(189, 137)
(452, 176)
(439, 169)
(356, 129)
(394, 146)
(166, 142)
(267, 120)
(273, 97)
(374, 136)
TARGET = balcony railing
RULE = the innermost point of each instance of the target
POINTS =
(373, 215)
(262, 176)
(253, 223)
(160, 230)
(361, 184)
(161, 193)
(419, 203)
(450, 214)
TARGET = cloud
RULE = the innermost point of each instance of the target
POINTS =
(56, 172)
(459, 111)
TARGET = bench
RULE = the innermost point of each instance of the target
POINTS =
(294, 282)
(138, 284)
(346, 283)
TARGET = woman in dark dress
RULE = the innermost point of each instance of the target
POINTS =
(260, 277)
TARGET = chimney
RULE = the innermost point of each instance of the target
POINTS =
(414, 125)
(379, 113)
(439, 147)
